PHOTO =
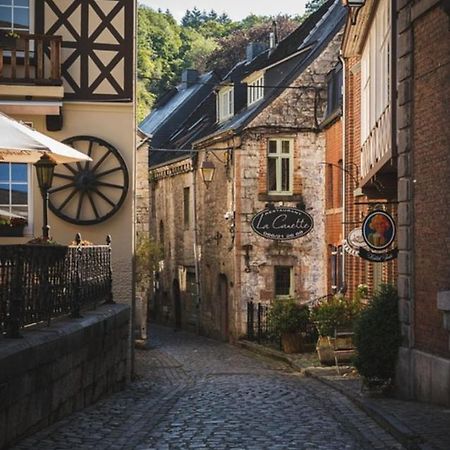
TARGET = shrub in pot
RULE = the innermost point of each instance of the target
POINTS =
(286, 320)
(377, 339)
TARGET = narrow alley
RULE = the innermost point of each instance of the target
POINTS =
(194, 393)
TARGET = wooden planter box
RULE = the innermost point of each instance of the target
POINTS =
(292, 342)
(8, 231)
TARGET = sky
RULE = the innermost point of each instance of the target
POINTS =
(236, 9)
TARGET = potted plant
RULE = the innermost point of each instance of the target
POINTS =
(12, 226)
(286, 320)
(10, 40)
(337, 313)
(377, 340)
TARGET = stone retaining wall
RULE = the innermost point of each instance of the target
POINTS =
(54, 371)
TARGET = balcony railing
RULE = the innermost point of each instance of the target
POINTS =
(42, 282)
(377, 147)
(31, 59)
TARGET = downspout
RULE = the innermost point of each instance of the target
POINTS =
(194, 159)
(344, 162)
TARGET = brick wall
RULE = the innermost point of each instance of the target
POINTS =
(431, 168)
(333, 192)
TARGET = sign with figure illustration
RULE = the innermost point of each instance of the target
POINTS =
(378, 230)
(282, 223)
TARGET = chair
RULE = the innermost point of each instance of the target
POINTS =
(342, 346)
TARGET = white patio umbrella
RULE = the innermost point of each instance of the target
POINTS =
(21, 144)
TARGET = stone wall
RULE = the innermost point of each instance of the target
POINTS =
(54, 371)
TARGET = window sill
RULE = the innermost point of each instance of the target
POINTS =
(280, 197)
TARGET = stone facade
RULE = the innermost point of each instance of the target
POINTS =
(54, 371)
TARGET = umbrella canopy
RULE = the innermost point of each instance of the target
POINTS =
(21, 144)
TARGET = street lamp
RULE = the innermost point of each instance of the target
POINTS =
(353, 8)
(207, 170)
(44, 171)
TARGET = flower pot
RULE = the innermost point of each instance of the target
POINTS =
(292, 342)
(9, 231)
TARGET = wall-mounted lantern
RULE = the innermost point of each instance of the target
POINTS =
(207, 170)
(353, 8)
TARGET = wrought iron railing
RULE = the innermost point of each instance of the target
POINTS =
(42, 282)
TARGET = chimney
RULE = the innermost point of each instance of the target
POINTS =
(254, 49)
(188, 78)
(273, 36)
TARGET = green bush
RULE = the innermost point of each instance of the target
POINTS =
(338, 312)
(287, 316)
(377, 336)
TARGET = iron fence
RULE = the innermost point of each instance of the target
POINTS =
(42, 282)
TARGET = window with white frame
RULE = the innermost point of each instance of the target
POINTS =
(14, 192)
(15, 15)
(255, 90)
(225, 104)
(376, 70)
(280, 166)
(284, 281)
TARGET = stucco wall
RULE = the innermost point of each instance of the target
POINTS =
(115, 124)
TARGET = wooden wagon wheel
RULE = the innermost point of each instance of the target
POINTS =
(90, 192)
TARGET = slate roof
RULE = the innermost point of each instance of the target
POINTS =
(189, 116)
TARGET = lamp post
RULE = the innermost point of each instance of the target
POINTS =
(207, 170)
(353, 7)
(44, 171)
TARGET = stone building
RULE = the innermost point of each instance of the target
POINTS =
(260, 132)
(401, 147)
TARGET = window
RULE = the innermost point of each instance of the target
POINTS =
(161, 237)
(339, 184)
(284, 282)
(337, 273)
(225, 104)
(14, 191)
(186, 207)
(375, 71)
(255, 90)
(334, 90)
(280, 166)
(15, 15)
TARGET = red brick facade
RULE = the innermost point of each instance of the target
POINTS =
(431, 172)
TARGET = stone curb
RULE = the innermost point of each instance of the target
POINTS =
(392, 425)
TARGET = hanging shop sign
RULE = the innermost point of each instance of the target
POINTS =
(282, 223)
(354, 242)
(378, 257)
(378, 232)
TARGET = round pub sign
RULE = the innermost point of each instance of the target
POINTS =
(283, 223)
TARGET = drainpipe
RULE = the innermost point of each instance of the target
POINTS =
(344, 160)
(194, 160)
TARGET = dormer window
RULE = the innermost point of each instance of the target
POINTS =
(255, 90)
(14, 15)
(225, 104)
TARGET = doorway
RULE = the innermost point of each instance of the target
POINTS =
(177, 303)
(223, 302)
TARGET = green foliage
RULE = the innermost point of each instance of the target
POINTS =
(148, 255)
(338, 312)
(287, 316)
(377, 335)
(313, 5)
(204, 41)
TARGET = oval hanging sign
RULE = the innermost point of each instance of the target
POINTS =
(283, 223)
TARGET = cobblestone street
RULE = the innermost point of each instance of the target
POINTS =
(195, 393)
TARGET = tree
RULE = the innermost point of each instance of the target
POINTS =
(313, 5)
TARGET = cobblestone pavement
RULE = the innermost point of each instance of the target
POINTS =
(196, 393)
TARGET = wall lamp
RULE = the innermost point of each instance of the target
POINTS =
(353, 8)
(208, 168)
